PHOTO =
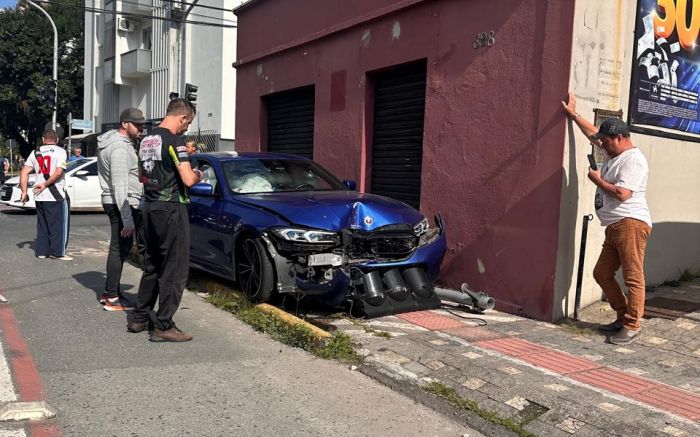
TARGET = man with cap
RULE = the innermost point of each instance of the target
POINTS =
(118, 170)
(621, 206)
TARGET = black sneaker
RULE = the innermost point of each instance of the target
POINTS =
(611, 327)
(104, 298)
(625, 336)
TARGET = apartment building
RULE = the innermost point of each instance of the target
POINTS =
(139, 52)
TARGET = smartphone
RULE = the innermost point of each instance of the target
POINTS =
(591, 161)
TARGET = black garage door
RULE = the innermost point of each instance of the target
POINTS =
(397, 146)
(290, 121)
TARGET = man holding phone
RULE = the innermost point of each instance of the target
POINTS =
(621, 207)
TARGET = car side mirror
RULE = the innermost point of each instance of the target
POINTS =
(81, 173)
(352, 185)
(202, 189)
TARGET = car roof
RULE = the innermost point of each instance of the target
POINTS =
(235, 156)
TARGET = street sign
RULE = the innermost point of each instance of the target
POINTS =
(82, 124)
(11, 144)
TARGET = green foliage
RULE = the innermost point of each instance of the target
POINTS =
(339, 347)
(26, 63)
(451, 396)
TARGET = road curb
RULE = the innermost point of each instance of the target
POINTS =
(210, 286)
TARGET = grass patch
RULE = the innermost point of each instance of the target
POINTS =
(339, 347)
(576, 330)
(450, 395)
(368, 329)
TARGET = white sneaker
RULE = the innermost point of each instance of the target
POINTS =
(41, 256)
(63, 258)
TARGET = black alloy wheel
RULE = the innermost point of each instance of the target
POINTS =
(255, 271)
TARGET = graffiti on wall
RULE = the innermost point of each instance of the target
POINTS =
(666, 70)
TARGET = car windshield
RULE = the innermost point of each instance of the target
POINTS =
(246, 176)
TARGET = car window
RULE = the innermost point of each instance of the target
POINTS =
(246, 176)
(208, 173)
(91, 169)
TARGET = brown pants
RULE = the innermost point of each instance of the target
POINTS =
(625, 242)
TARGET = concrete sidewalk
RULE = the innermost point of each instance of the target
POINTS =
(554, 380)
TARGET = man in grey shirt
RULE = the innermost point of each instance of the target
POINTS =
(117, 166)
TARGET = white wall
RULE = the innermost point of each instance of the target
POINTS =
(600, 78)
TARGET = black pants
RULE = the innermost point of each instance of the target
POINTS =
(166, 265)
(51, 228)
(119, 247)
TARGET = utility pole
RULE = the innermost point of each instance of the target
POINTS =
(55, 59)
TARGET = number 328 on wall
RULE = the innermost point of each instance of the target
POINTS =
(484, 39)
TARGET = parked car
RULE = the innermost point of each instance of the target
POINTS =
(82, 187)
(282, 223)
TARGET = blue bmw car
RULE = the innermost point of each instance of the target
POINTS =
(279, 223)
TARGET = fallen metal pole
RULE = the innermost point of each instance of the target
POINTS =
(581, 257)
(478, 301)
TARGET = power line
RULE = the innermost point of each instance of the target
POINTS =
(191, 13)
(134, 15)
(197, 5)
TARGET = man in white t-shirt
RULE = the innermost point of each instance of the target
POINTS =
(48, 162)
(621, 206)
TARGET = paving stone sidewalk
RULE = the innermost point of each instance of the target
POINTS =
(555, 380)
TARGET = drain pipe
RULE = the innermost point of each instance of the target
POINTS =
(581, 257)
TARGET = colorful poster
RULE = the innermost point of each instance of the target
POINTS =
(666, 71)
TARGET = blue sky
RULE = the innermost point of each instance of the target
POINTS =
(6, 3)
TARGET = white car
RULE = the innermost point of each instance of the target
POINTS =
(82, 186)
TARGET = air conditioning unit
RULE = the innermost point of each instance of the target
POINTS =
(125, 25)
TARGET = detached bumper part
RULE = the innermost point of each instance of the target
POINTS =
(407, 290)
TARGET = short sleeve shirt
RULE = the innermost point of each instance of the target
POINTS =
(627, 170)
(45, 163)
(160, 153)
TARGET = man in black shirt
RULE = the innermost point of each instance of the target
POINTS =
(166, 175)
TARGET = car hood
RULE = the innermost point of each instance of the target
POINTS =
(335, 210)
(14, 180)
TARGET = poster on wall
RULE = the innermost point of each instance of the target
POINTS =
(666, 70)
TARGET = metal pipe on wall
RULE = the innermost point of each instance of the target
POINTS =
(581, 258)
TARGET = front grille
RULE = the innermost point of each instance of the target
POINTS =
(383, 243)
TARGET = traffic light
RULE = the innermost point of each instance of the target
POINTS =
(191, 93)
(47, 94)
(51, 93)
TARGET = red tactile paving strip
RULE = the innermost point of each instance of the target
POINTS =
(513, 346)
(430, 320)
(672, 399)
(614, 380)
(560, 362)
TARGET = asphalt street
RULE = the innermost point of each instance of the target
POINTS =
(230, 380)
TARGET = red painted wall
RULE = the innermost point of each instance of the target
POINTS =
(494, 132)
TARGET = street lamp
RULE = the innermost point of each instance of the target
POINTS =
(55, 59)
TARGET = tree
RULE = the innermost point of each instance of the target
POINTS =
(26, 63)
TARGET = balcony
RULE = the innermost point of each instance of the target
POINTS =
(136, 64)
(137, 6)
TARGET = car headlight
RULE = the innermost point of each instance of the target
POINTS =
(425, 233)
(306, 235)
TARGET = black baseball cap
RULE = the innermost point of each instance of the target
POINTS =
(133, 115)
(611, 126)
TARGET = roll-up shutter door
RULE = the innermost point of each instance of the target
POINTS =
(290, 122)
(397, 146)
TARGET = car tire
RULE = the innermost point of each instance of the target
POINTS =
(254, 270)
